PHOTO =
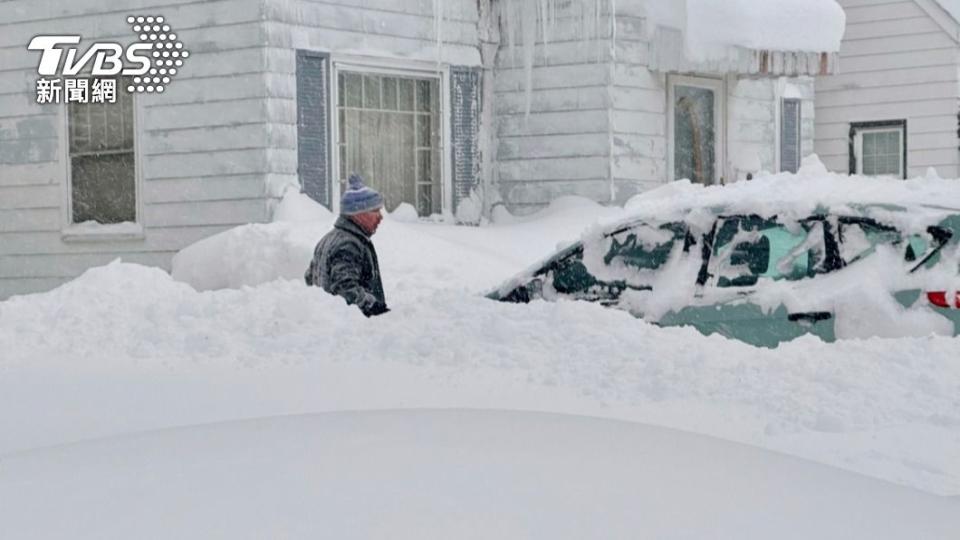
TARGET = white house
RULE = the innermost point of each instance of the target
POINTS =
(892, 110)
(453, 106)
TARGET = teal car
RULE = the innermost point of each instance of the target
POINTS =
(862, 271)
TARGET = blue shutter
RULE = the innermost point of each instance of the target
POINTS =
(313, 114)
(790, 136)
(464, 130)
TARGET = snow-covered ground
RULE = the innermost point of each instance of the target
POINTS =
(447, 474)
(125, 348)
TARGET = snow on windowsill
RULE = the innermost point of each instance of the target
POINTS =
(91, 231)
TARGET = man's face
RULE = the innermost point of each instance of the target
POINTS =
(369, 220)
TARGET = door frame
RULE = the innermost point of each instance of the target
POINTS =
(718, 86)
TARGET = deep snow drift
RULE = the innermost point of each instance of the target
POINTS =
(126, 348)
(447, 474)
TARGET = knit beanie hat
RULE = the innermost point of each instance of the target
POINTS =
(359, 198)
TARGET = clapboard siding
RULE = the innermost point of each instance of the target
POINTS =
(862, 11)
(192, 14)
(638, 127)
(400, 32)
(897, 62)
(14, 286)
(67, 265)
(553, 138)
(531, 195)
(203, 143)
(550, 100)
(161, 240)
(555, 146)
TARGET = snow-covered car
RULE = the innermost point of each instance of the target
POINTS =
(767, 273)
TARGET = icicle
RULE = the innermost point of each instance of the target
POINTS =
(524, 21)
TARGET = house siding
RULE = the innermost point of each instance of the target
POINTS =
(203, 144)
(896, 62)
(639, 114)
(562, 146)
(378, 32)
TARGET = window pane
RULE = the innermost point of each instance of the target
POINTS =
(103, 188)
(352, 90)
(881, 153)
(694, 137)
(371, 92)
(423, 96)
(406, 94)
(423, 130)
(103, 175)
(390, 93)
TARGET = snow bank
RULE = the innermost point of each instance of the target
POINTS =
(447, 474)
(459, 257)
(126, 348)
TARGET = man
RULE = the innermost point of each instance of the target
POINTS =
(344, 261)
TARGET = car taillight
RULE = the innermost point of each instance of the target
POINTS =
(939, 299)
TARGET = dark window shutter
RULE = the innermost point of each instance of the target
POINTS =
(464, 130)
(313, 114)
(790, 136)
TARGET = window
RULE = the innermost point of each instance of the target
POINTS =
(748, 248)
(390, 133)
(695, 121)
(879, 148)
(102, 162)
(790, 135)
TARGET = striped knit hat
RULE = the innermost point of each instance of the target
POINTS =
(359, 198)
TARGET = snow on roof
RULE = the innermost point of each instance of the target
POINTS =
(770, 36)
(952, 7)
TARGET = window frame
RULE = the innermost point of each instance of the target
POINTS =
(74, 232)
(398, 68)
(857, 130)
(719, 88)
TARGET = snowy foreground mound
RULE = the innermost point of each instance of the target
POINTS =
(447, 474)
(126, 348)
(237, 335)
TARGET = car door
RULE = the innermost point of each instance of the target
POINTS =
(741, 255)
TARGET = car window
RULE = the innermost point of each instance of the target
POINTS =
(644, 246)
(748, 248)
(859, 237)
(924, 250)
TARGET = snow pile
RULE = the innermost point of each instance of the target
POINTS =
(297, 207)
(459, 257)
(712, 27)
(799, 194)
(126, 348)
(446, 474)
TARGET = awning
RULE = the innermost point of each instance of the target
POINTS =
(766, 37)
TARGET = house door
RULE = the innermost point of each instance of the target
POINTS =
(696, 129)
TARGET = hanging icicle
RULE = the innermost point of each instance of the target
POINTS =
(524, 23)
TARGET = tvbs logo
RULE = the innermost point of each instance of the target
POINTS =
(144, 66)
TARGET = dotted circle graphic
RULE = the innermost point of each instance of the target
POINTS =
(167, 51)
